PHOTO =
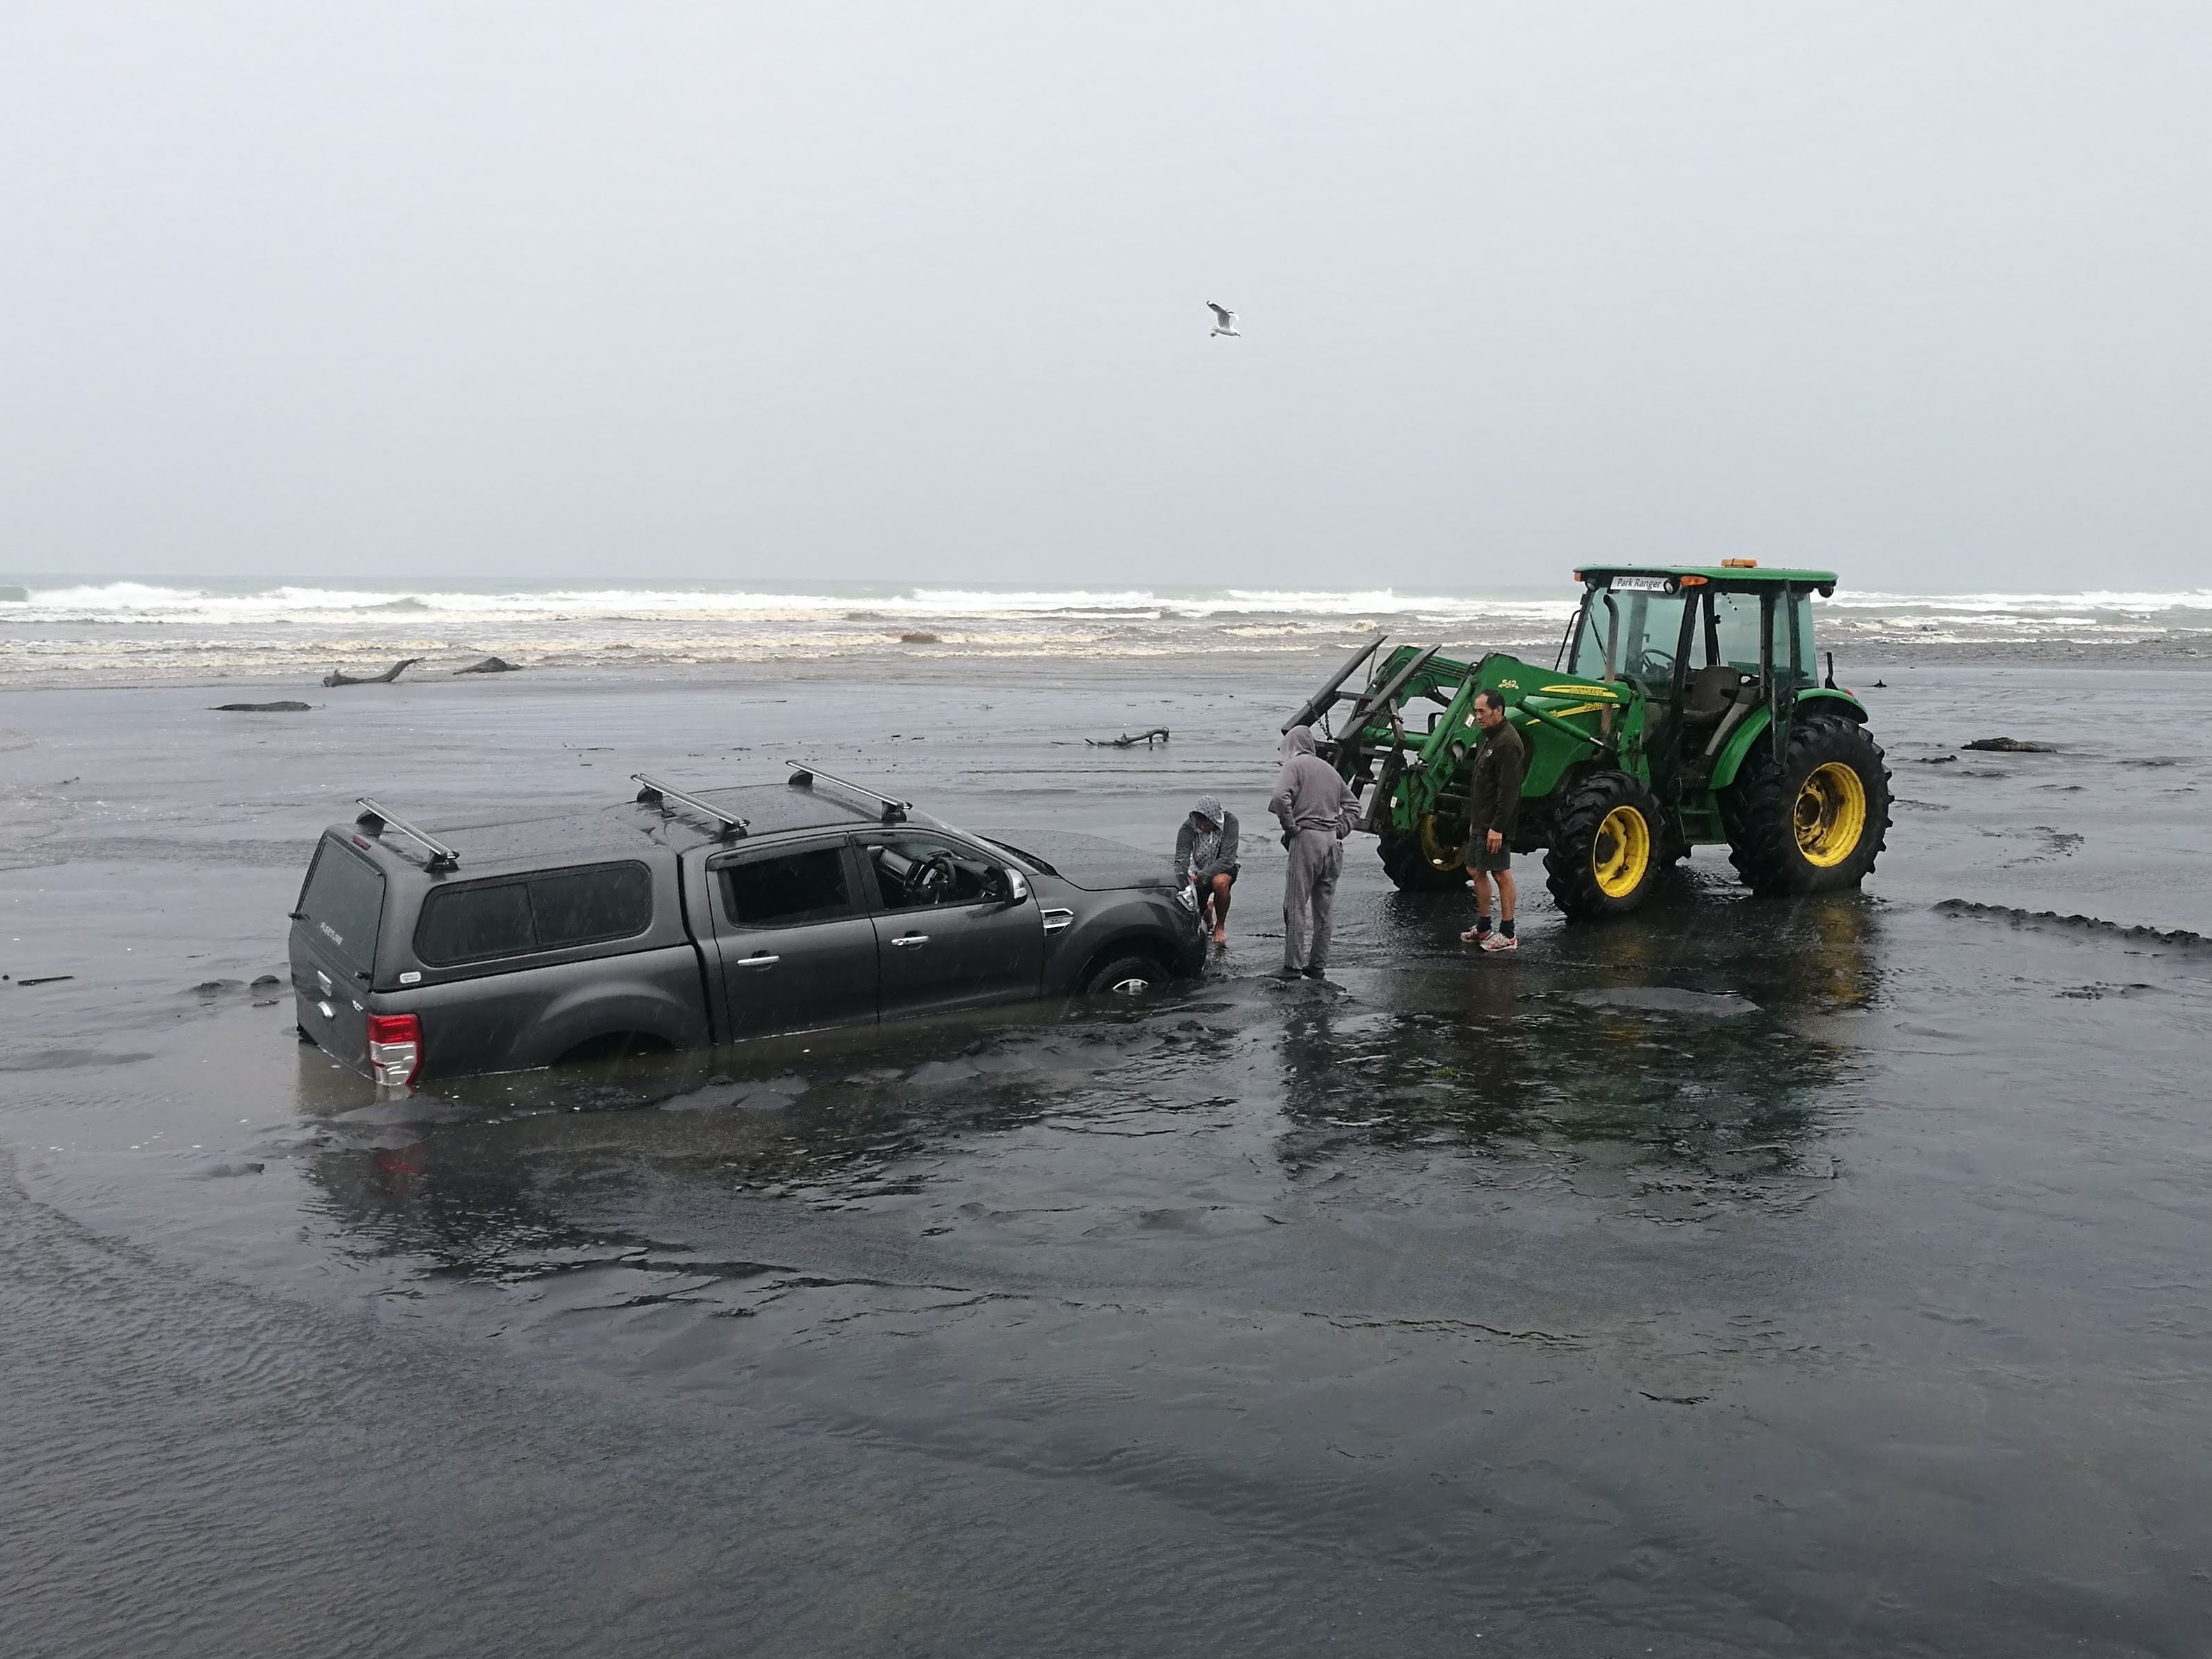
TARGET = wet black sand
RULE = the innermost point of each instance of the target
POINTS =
(1740, 1279)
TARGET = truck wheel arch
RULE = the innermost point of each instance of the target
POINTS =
(595, 1016)
(609, 1045)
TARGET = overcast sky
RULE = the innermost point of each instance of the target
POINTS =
(626, 290)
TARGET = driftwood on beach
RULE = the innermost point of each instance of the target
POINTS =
(1127, 740)
(338, 676)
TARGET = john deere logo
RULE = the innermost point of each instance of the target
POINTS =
(1509, 685)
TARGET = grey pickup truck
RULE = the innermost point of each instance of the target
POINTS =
(676, 921)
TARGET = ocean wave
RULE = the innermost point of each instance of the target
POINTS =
(2006, 605)
(144, 602)
(138, 600)
(125, 630)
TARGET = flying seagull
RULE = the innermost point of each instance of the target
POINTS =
(1224, 320)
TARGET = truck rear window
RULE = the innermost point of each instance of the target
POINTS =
(473, 922)
(342, 902)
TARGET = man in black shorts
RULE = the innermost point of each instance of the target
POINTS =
(1493, 803)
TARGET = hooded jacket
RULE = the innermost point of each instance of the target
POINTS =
(1224, 852)
(1308, 795)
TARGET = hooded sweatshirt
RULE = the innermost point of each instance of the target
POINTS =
(1308, 795)
(1201, 855)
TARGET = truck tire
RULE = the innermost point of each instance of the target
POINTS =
(1128, 975)
(1814, 820)
(1411, 866)
(1606, 852)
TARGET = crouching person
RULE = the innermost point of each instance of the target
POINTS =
(1206, 861)
(1315, 809)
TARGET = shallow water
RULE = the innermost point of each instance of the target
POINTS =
(1740, 1278)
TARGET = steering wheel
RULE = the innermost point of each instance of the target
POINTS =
(1652, 664)
(932, 881)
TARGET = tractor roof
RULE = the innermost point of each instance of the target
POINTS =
(1716, 574)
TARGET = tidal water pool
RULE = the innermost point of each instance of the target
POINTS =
(1740, 1277)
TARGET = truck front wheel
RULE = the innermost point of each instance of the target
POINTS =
(1608, 846)
(1129, 973)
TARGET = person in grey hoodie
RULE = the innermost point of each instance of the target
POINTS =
(1206, 861)
(1315, 809)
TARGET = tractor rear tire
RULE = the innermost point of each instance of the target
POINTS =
(1815, 820)
(1606, 854)
(1410, 868)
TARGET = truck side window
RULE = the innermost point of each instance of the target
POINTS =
(784, 891)
(577, 906)
(913, 871)
(465, 924)
(471, 922)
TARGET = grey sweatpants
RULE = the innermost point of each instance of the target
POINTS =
(1308, 895)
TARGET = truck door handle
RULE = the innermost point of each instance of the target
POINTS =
(758, 962)
(911, 938)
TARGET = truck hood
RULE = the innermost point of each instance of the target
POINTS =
(1096, 866)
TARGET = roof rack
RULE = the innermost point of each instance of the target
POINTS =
(651, 792)
(374, 819)
(804, 776)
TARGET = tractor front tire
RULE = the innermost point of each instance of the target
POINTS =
(1815, 820)
(1411, 866)
(1609, 840)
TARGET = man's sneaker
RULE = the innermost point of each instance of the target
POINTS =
(1501, 942)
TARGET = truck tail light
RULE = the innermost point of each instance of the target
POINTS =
(395, 1049)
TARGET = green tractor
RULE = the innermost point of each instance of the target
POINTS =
(1684, 710)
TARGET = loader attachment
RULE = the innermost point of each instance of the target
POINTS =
(1328, 697)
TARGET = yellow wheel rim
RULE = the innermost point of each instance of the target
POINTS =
(1622, 852)
(1830, 816)
(1441, 854)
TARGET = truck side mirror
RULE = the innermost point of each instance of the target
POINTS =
(1008, 886)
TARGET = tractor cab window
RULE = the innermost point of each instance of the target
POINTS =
(1586, 655)
(1798, 605)
(1731, 633)
(1650, 632)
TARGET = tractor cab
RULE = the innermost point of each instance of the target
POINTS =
(1706, 646)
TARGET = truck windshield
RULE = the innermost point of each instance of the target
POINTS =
(1650, 633)
(343, 901)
